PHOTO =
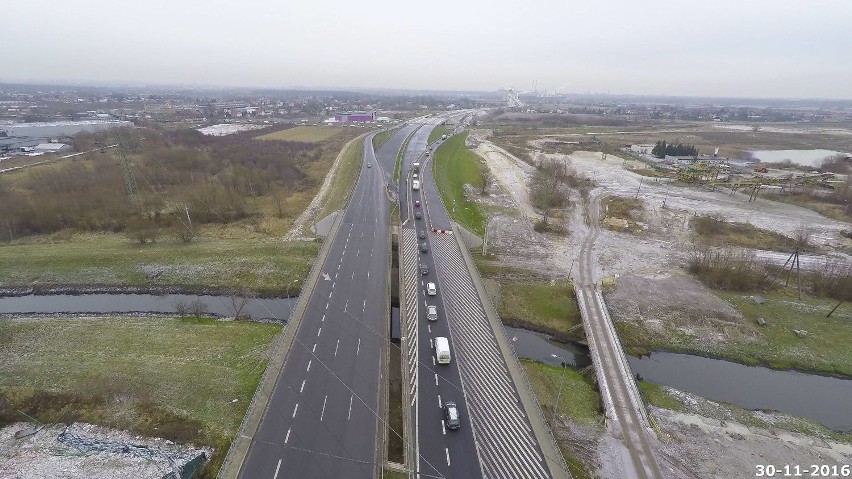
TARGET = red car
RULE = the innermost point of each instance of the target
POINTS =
(417, 203)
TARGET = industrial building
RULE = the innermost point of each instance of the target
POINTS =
(355, 116)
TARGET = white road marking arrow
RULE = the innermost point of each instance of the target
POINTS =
(326, 277)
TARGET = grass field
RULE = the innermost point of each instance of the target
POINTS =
(263, 265)
(381, 137)
(721, 233)
(344, 180)
(437, 132)
(453, 166)
(825, 208)
(824, 349)
(577, 399)
(540, 306)
(161, 377)
(308, 134)
(399, 156)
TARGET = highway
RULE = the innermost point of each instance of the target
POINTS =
(496, 438)
(442, 452)
(321, 421)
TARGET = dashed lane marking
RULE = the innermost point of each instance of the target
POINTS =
(295, 409)
(303, 385)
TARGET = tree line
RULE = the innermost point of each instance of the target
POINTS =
(177, 171)
(661, 149)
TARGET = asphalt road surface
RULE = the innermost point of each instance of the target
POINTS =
(322, 420)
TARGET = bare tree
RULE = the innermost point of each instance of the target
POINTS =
(486, 177)
(546, 187)
(239, 300)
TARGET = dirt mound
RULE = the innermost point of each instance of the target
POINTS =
(668, 304)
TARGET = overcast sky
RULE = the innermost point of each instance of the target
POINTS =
(753, 48)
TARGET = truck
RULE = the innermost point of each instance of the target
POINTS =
(415, 185)
(442, 350)
(415, 167)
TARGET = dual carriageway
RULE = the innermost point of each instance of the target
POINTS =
(326, 415)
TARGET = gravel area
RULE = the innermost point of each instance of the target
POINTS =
(86, 451)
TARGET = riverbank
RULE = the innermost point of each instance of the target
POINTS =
(188, 380)
(775, 329)
(222, 263)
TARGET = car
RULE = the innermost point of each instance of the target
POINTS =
(424, 248)
(431, 289)
(414, 176)
(424, 269)
(369, 165)
(417, 215)
(417, 203)
(452, 415)
(427, 153)
(432, 313)
(422, 235)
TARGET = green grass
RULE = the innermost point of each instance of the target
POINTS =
(538, 305)
(655, 395)
(380, 138)
(436, 133)
(263, 265)
(825, 349)
(308, 134)
(400, 154)
(162, 377)
(578, 400)
(721, 233)
(344, 180)
(453, 166)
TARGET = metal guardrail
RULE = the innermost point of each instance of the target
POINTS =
(478, 280)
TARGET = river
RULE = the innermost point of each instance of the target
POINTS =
(825, 399)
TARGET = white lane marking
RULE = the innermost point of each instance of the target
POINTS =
(319, 331)
(323, 407)
(331, 293)
(448, 455)
(371, 253)
(335, 348)
(333, 283)
(358, 253)
(309, 366)
(345, 305)
(429, 326)
(326, 305)
(353, 276)
(338, 267)
(348, 416)
(314, 349)
(323, 318)
(368, 275)
(359, 347)
(443, 427)
(439, 401)
(295, 409)
(436, 379)
(279, 461)
(335, 275)
(303, 385)
(365, 305)
(431, 343)
(433, 360)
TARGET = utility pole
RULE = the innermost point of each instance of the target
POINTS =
(559, 394)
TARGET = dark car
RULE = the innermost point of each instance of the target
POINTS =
(417, 215)
(424, 248)
(424, 269)
(417, 203)
(451, 413)
(422, 235)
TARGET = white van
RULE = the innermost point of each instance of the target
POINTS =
(431, 289)
(415, 185)
(442, 350)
